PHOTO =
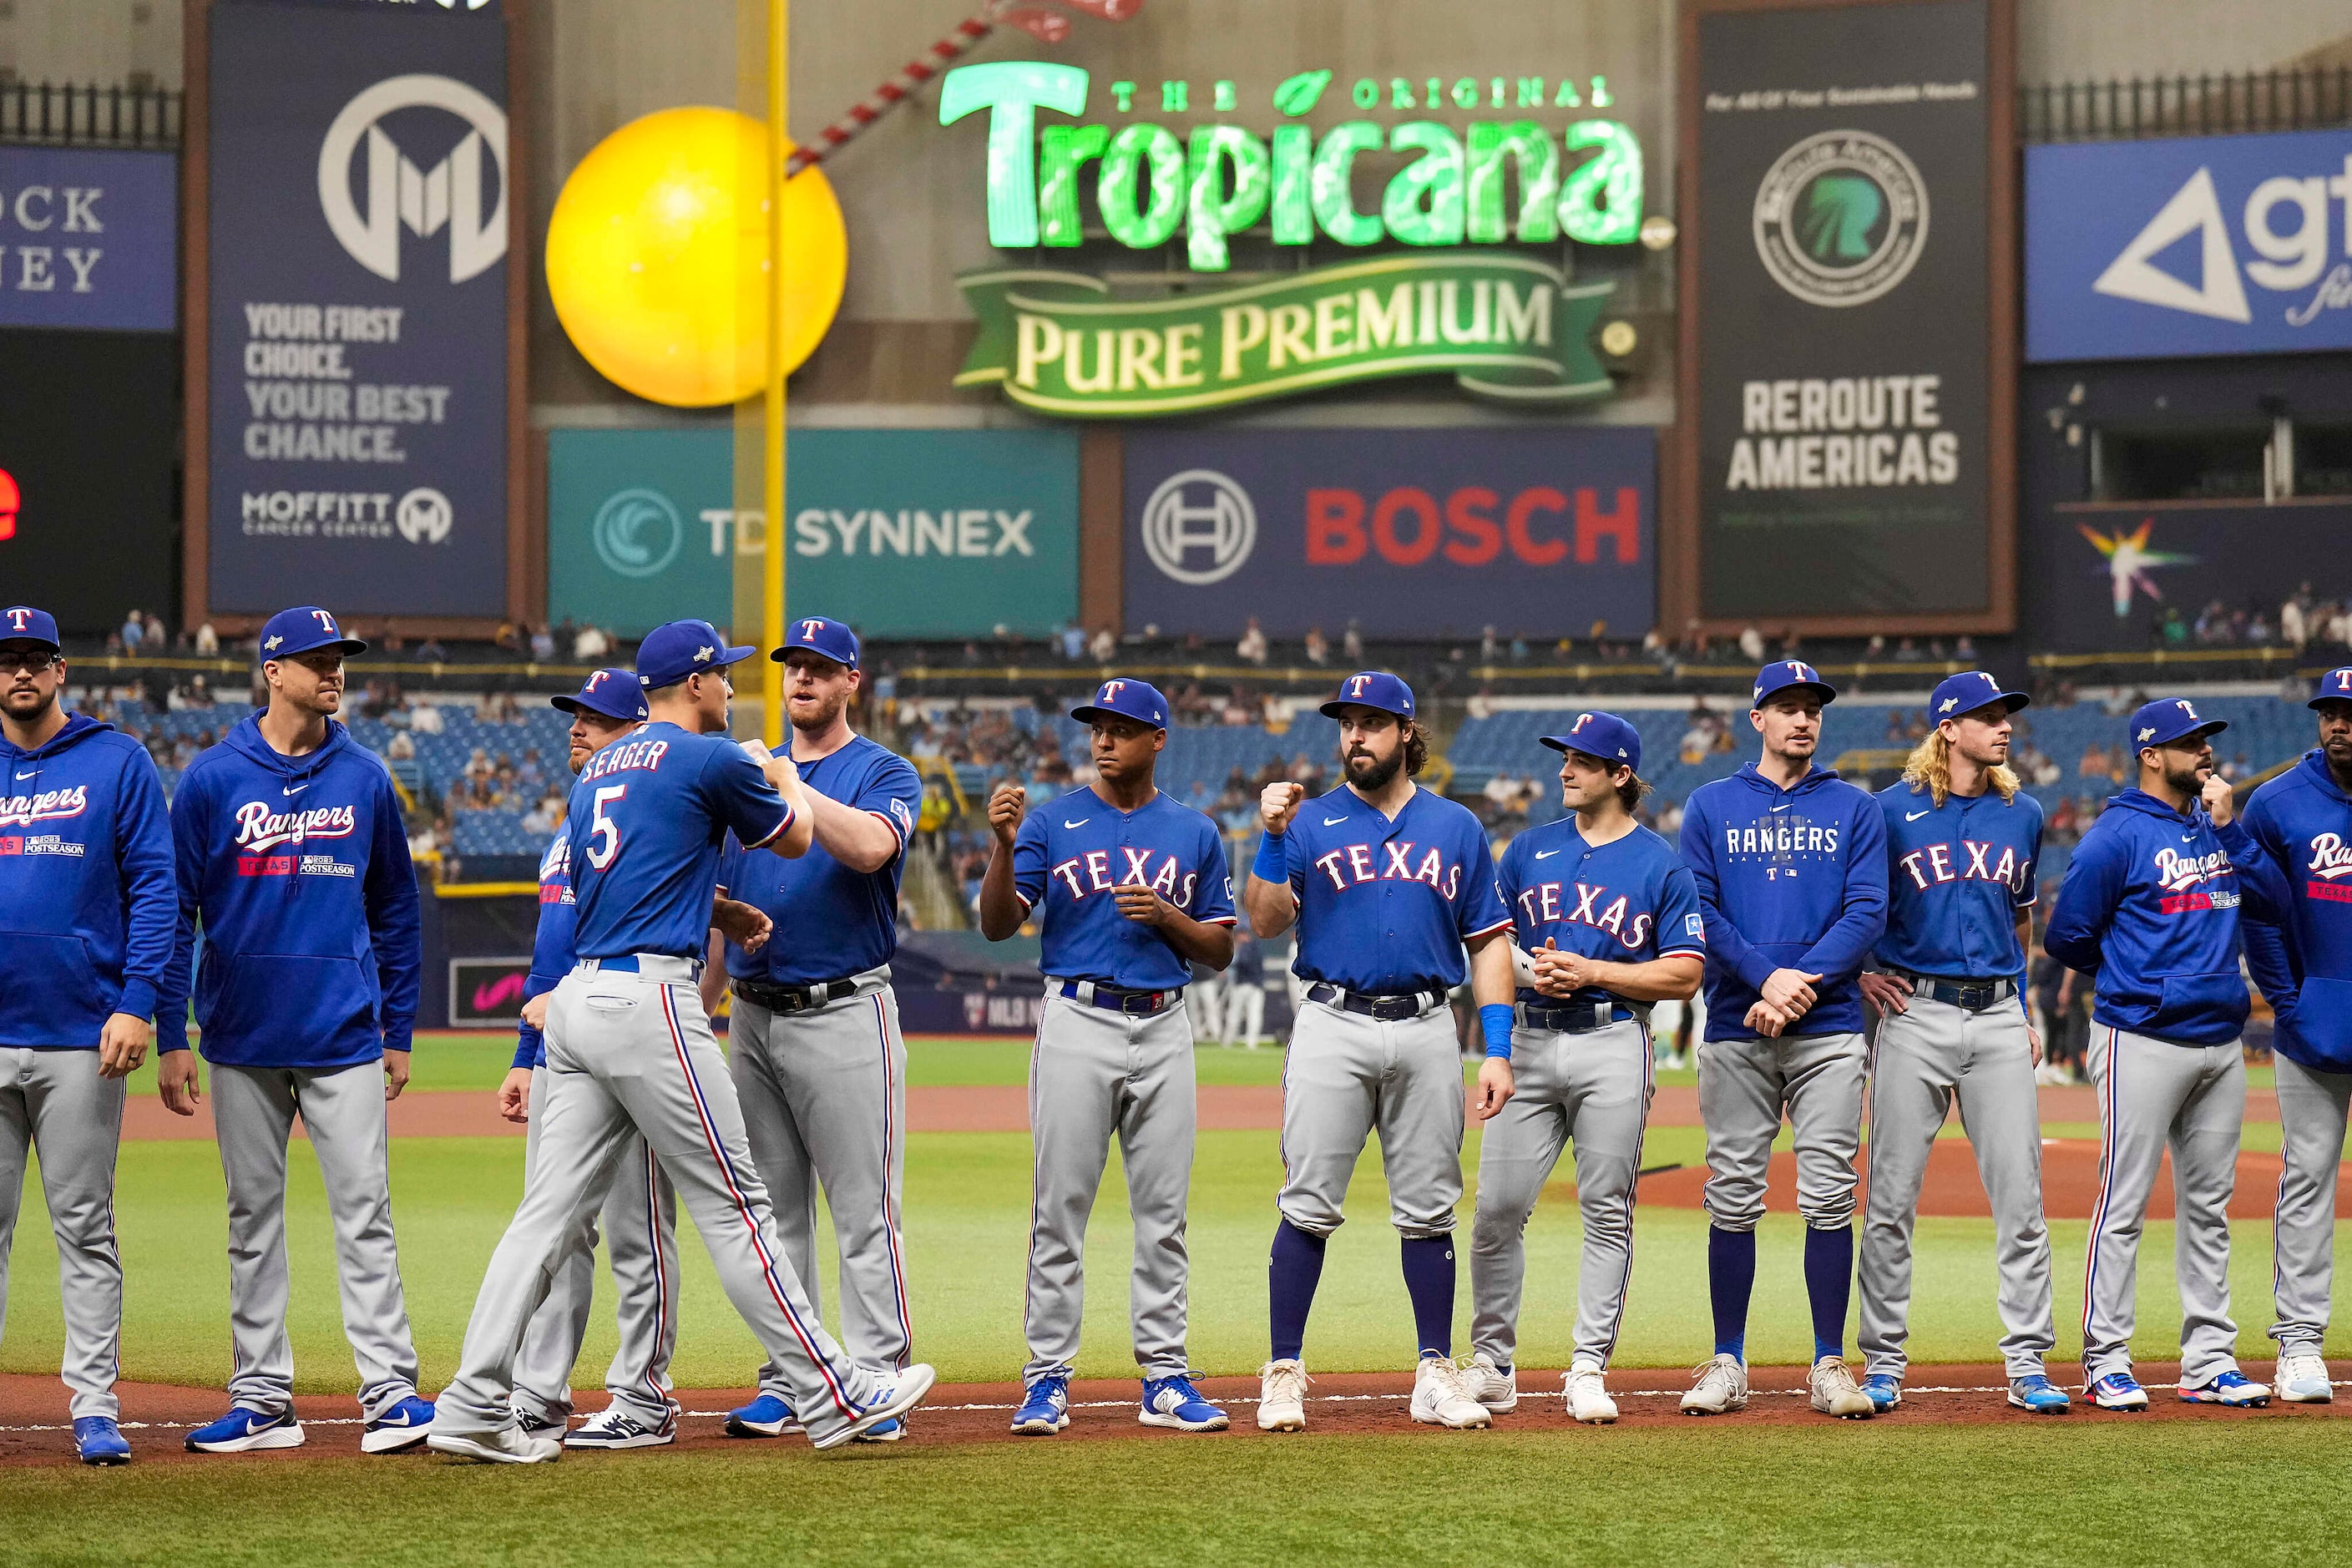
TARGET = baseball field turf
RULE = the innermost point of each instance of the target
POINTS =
(1901, 1489)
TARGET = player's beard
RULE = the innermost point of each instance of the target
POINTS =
(1370, 774)
(2187, 779)
(25, 704)
(819, 717)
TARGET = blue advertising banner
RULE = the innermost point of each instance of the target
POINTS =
(2201, 245)
(357, 319)
(90, 238)
(1410, 533)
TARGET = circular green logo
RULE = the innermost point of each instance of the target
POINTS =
(637, 532)
(1841, 217)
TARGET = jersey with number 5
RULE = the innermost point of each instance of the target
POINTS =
(647, 819)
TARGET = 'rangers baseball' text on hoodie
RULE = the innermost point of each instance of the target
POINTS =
(298, 869)
(86, 898)
(2303, 820)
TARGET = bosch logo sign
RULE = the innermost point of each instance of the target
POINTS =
(1198, 527)
(11, 498)
(637, 532)
(401, 195)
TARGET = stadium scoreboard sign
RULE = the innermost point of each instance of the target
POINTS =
(1847, 367)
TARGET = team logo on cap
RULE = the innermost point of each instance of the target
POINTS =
(809, 630)
(20, 619)
(1356, 684)
(592, 680)
(327, 621)
(2343, 677)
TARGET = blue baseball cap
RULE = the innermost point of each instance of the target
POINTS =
(613, 692)
(2336, 686)
(1124, 699)
(2169, 719)
(1782, 674)
(21, 622)
(1602, 735)
(670, 653)
(305, 628)
(1969, 690)
(827, 639)
(1372, 688)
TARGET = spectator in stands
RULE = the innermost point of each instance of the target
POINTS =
(425, 717)
(1751, 644)
(133, 632)
(1104, 647)
(430, 650)
(1318, 647)
(392, 647)
(512, 638)
(478, 765)
(1252, 648)
(2096, 762)
(590, 644)
(207, 644)
(156, 640)
(545, 817)
(542, 646)
(1490, 644)
(401, 747)
(1670, 816)
(531, 773)
(1351, 644)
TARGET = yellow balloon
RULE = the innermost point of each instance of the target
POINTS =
(656, 252)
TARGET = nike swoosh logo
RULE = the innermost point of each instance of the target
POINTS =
(1079, 823)
(297, 789)
(1333, 821)
(2185, 838)
(1784, 807)
(28, 775)
(1545, 854)
(1913, 815)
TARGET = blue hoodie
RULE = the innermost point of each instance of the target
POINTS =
(86, 896)
(2150, 906)
(298, 868)
(1792, 879)
(2303, 820)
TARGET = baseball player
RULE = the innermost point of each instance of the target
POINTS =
(630, 1052)
(2303, 820)
(2150, 904)
(819, 1065)
(1962, 841)
(293, 857)
(1133, 892)
(1606, 921)
(1791, 864)
(1387, 883)
(87, 907)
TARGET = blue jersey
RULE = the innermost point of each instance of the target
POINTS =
(648, 816)
(1071, 854)
(1627, 902)
(1957, 875)
(1385, 906)
(550, 948)
(831, 922)
(2303, 820)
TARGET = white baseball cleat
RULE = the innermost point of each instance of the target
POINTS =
(1496, 1387)
(1835, 1393)
(618, 1426)
(1721, 1388)
(1588, 1396)
(2302, 1378)
(899, 1393)
(507, 1445)
(1282, 1396)
(1439, 1399)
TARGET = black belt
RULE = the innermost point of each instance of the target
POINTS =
(1575, 1017)
(1970, 996)
(1118, 999)
(793, 998)
(1385, 1009)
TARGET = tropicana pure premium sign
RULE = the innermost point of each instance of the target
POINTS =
(1509, 324)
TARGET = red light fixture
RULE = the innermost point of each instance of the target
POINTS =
(10, 498)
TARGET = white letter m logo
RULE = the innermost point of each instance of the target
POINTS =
(399, 195)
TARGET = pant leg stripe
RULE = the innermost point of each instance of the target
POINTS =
(889, 1206)
(1633, 1192)
(663, 1284)
(2107, 1183)
(1036, 1172)
(841, 1399)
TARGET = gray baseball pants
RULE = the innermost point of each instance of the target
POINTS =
(824, 1101)
(342, 1112)
(1094, 1073)
(2153, 1095)
(632, 1054)
(1927, 1056)
(1744, 1086)
(1345, 1075)
(641, 1232)
(55, 1103)
(2302, 1259)
(1592, 1090)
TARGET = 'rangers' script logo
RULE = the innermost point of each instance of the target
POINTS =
(2177, 871)
(20, 810)
(2330, 857)
(257, 827)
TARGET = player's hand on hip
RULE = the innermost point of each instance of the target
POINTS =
(1007, 804)
(1141, 905)
(395, 1074)
(746, 925)
(1278, 803)
(1495, 1088)
(2221, 801)
(175, 1079)
(514, 1095)
(1791, 991)
(1767, 1020)
(534, 1012)
(123, 1044)
(1885, 993)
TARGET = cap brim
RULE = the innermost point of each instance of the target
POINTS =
(2315, 704)
(1332, 709)
(1563, 744)
(1828, 693)
(54, 647)
(1090, 714)
(779, 655)
(728, 656)
(347, 648)
(2194, 732)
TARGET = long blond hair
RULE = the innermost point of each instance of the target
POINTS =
(1930, 766)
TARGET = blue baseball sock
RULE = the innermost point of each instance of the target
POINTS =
(1730, 1280)
(1291, 1276)
(1829, 1286)
(1429, 1280)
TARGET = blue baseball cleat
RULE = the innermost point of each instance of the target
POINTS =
(1174, 1402)
(2117, 1390)
(1045, 1409)
(2233, 1388)
(100, 1441)
(766, 1416)
(888, 1431)
(242, 1431)
(1884, 1390)
(403, 1426)
(2039, 1395)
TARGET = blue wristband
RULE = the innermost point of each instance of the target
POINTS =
(1494, 1020)
(1273, 862)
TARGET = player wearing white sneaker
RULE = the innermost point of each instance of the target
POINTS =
(1588, 1396)
(1282, 1396)
(1721, 1386)
(2302, 1378)
(1496, 1388)
(1439, 1400)
(1835, 1392)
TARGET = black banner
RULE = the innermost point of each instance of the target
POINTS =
(1844, 293)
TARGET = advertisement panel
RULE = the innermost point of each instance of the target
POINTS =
(90, 238)
(357, 170)
(2105, 577)
(1411, 533)
(1842, 333)
(486, 993)
(2198, 245)
(902, 533)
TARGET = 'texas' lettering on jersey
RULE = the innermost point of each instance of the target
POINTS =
(1932, 866)
(622, 755)
(260, 828)
(2330, 865)
(50, 805)
(1546, 904)
(1090, 873)
(1352, 867)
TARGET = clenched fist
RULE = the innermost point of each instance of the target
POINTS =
(1278, 803)
(2221, 800)
(1006, 805)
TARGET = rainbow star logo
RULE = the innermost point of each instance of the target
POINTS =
(2129, 560)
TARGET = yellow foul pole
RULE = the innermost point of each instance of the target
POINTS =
(771, 477)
